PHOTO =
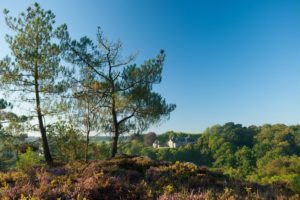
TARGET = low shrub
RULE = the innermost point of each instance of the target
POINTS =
(129, 178)
(28, 160)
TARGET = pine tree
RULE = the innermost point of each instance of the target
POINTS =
(34, 70)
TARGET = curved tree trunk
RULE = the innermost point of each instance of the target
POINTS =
(46, 149)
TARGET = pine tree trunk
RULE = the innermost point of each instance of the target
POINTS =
(47, 154)
(115, 133)
(88, 122)
(114, 145)
(87, 146)
(46, 149)
(115, 124)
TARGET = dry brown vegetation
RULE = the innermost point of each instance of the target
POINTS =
(127, 177)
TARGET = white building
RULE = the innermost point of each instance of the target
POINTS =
(177, 142)
(156, 144)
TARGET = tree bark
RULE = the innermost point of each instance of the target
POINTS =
(115, 124)
(115, 129)
(87, 118)
(87, 146)
(46, 149)
(114, 145)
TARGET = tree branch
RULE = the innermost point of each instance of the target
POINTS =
(126, 118)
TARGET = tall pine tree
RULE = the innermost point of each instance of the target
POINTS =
(34, 70)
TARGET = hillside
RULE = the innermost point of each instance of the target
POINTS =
(132, 177)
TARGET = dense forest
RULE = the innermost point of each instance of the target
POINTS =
(91, 107)
(265, 154)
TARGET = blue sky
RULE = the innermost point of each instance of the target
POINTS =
(226, 61)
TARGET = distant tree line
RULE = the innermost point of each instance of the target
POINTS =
(265, 154)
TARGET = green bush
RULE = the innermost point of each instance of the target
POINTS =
(296, 183)
(28, 160)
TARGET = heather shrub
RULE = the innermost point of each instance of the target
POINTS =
(132, 178)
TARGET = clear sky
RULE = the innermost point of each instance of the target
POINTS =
(226, 60)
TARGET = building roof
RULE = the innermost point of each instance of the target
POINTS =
(156, 142)
(182, 139)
